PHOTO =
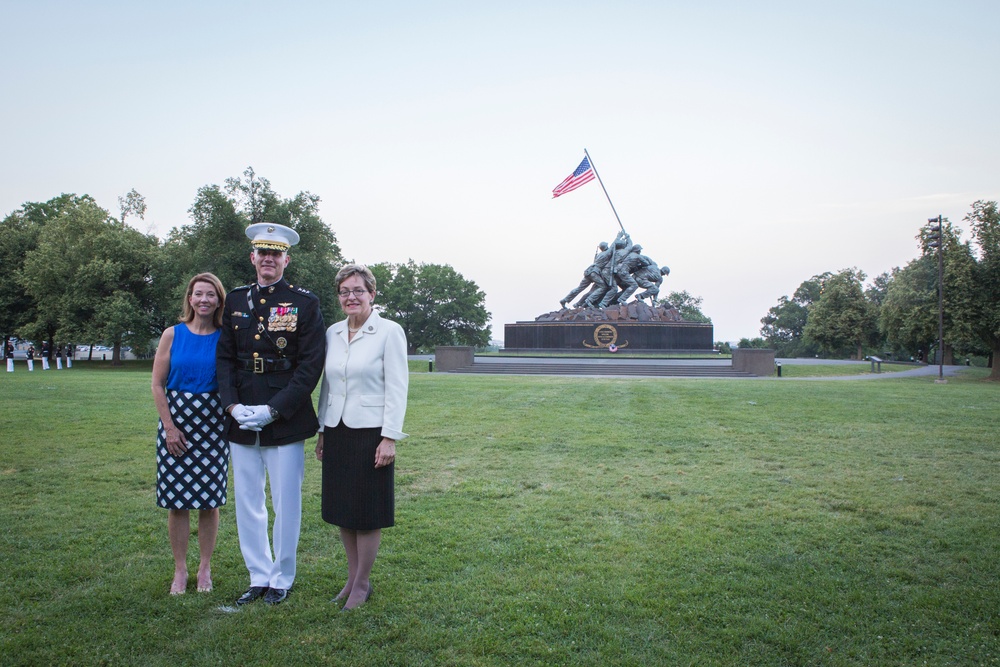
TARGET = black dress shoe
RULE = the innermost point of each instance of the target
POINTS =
(276, 595)
(253, 593)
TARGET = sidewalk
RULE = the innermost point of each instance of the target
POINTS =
(949, 371)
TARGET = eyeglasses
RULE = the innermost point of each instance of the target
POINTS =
(358, 292)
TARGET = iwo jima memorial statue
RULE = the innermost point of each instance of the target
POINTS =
(602, 317)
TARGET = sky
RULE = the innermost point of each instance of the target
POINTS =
(747, 146)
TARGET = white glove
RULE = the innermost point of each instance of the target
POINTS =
(259, 417)
(241, 412)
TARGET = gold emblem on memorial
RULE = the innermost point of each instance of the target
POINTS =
(605, 335)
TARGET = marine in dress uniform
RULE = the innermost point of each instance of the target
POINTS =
(269, 359)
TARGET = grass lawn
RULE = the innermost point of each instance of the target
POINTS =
(540, 520)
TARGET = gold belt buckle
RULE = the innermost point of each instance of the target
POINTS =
(258, 365)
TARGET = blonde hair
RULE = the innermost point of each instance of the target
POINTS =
(187, 312)
(355, 270)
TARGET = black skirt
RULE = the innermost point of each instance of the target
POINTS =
(356, 494)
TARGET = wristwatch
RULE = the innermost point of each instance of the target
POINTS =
(274, 413)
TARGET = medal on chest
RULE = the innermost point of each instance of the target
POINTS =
(283, 317)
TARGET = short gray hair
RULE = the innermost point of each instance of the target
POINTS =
(355, 270)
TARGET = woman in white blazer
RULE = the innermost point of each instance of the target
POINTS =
(362, 403)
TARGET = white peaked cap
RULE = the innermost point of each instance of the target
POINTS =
(272, 236)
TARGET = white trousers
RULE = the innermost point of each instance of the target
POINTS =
(31, 364)
(45, 363)
(10, 365)
(285, 466)
(58, 363)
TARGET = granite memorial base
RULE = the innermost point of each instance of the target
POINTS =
(634, 327)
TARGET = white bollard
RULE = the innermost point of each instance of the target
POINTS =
(10, 365)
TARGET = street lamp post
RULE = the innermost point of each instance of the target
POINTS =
(938, 242)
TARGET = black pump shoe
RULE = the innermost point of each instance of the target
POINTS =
(367, 596)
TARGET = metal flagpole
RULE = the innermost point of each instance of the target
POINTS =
(591, 160)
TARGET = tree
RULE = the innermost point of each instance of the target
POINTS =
(785, 323)
(20, 233)
(876, 292)
(91, 276)
(433, 303)
(84, 275)
(908, 316)
(985, 315)
(687, 305)
(909, 313)
(842, 318)
(253, 194)
(752, 343)
(132, 203)
(216, 240)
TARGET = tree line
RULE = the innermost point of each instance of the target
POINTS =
(81, 275)
(896, 314)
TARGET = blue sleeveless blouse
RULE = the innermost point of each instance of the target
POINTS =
(192, 361)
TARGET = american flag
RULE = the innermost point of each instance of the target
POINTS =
(583, 174)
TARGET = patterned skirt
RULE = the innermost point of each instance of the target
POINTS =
(197, 479)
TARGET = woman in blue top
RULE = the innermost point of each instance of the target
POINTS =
(192, 453)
